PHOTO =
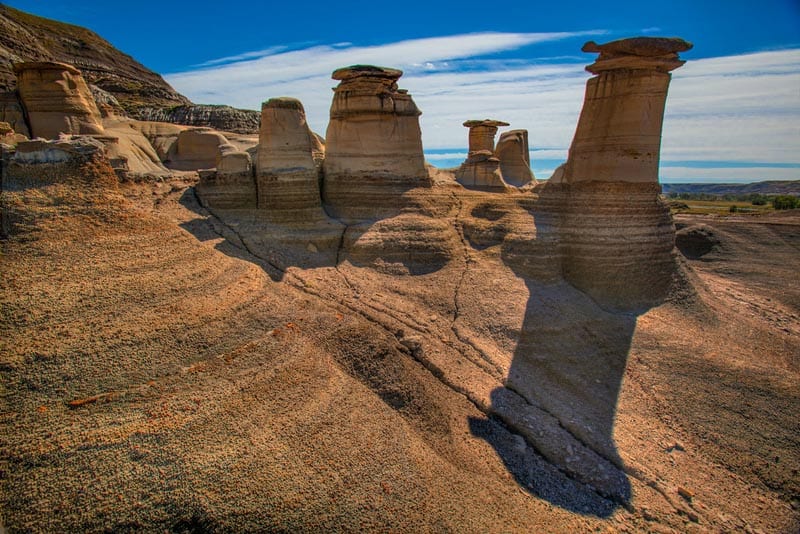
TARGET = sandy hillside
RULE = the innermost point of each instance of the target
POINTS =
(158, 376)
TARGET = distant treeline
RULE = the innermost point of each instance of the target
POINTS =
(779, 202)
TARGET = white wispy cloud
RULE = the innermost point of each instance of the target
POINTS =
(742, 108)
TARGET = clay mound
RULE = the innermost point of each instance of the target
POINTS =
(696, 241)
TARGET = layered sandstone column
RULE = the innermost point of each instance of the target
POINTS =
(56, 99)
(515, 160)
(618, 235)
(287, 178)
(481, 169)
(373, 150)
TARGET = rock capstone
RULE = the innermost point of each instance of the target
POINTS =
(373, 150)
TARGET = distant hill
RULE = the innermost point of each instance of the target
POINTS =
(771, 187)
(141, 92)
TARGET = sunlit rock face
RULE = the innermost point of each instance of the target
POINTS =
(287, 174)
(618, 236)
(514, 155)
(481, 170)
(373, 150)
(56, 100)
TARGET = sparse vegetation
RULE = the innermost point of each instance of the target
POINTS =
(785, 202)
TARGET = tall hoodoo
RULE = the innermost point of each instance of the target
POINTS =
(515, 160)
(373, 144)
(617, 234)
(618, 138)
(56, 99)
(286, 173)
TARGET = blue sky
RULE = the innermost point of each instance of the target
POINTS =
(733, 113)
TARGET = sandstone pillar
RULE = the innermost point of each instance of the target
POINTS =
(481, 169)
(481, 134)
(373, 145)
(619, 131)
(287, 179)
(515, 160)
(617, 234)
(56, 99)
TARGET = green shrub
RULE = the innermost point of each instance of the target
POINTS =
(785, 202)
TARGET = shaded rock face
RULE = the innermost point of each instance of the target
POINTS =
(373, 144)
(514, 155)
(57, 100)
(286, 173)
(231, 186)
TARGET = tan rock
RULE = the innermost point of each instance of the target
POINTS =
(195, 148)
(617, 235)
(619, 131)
(57, 100)
(514, 155)
(230, 160)
(287, 175)
(481, 170)
(373, 144)
(8, 136)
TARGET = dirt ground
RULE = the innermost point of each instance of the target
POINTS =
(158, 376)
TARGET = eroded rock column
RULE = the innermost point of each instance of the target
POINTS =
(286, 173)
(618, 235)
(515, 160)
(373, 145)
(56, 99)
(481, 170)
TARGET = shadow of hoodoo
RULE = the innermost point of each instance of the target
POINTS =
(601, 214)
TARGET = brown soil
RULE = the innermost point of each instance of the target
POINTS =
(156, 376)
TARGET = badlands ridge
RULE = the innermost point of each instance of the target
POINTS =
(212, 332)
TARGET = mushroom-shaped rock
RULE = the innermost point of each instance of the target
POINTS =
(481, 170)
(373, 151)
(481, 134)
(56, 99)
(617, 234)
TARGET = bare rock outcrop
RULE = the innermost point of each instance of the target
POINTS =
(286, 174)
(617, 234)
(515, 161)
(195, 148)
(481, 170)
(56, 99)
(373, 144)
(231, 185)
(70, 159)
(224, 118)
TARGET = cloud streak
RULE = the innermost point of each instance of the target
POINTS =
(743, 108)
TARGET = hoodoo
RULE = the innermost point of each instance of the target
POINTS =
(374, 144)
(617, 234)
(481, 170)
(286, 173)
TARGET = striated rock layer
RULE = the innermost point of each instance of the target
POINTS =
(286, 173)
(56, 99)
(373, 145)
(617, 235)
